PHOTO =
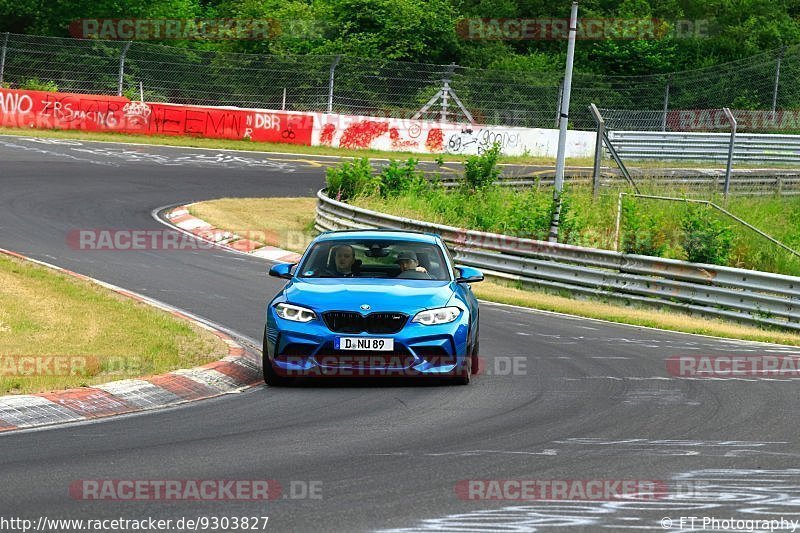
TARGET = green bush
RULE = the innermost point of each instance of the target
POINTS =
(705, 238)
(480, 171)
(350, 179)
(640, 231)
(35, 84)
(400, 177)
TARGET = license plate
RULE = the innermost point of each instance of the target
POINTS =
(363, 343)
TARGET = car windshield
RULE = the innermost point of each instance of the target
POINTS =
(374, 258)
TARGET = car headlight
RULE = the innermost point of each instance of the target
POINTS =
(295, 313)
(442, 315)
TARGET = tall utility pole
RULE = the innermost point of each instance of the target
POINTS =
(564, 119)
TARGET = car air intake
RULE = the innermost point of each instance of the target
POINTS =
(352, 322)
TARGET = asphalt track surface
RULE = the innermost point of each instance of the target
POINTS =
(592, 401)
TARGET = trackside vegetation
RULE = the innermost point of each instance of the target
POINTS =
(59, 332)
(684, 231)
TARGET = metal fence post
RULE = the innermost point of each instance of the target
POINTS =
(732, 120)
(558, 182)
(330, 82)
(3, 57)
(446, 90)
(598, 148)
(122, 66)
(777, 79)
(558, 105)
(666, 104)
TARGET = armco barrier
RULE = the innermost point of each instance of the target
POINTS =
(749, 147)
(736, 294)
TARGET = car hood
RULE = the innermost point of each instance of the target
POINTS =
(385, 295)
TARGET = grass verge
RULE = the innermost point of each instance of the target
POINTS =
(297, 215)
(287, 223)
(649, 227)
(92, 334)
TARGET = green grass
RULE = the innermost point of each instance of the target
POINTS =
(46, 313)
(590, 222)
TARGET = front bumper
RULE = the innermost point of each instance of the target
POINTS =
(307, 350)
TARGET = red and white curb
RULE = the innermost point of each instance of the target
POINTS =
(188, 223)
(239, 370)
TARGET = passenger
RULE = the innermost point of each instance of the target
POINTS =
(409, 264)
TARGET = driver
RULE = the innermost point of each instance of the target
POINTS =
(345, 261)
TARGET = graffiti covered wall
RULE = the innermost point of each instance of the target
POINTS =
(432, 137)
(39, 109)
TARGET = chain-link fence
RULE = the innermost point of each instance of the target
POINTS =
(388, 88)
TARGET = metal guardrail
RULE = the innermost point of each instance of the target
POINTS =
(748, 182)
(722, 292)
(752, 147)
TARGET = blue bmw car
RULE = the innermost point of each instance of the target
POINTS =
(373, 303)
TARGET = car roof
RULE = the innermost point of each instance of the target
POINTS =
(386, 234)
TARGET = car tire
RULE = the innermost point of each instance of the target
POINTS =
(271, 377)
(476, 360)
(465, 374)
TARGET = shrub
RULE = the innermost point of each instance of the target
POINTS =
(397, 178)
(35, 84)
(640, 232)
(350, 179)
(705, 238)
(480, 171)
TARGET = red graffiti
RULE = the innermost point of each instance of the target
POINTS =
(361, 134)
(397, 142)
(326, 137)
(435, 141)
(87, 112)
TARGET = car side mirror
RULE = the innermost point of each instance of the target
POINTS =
(468, 274)
(282, 270)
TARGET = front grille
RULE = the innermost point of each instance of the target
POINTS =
(352, 322)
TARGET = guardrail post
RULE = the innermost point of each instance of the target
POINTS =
(732, 121)
(598, 148)
(3, 57)
(330, 82)
(617, 224)
(122, 66)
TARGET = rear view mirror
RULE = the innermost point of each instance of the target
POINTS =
(468, 274)
(282, 270)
